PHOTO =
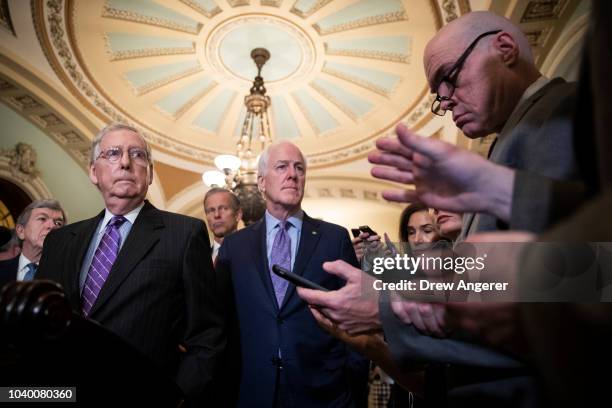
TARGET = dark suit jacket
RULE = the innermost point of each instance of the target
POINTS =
(8, 270)
(317, 368)
(539, 145)
(161, 291)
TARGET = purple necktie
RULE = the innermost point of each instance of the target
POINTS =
(102, 262)
(281, 256)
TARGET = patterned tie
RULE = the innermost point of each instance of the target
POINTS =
(281, 256)
(32, 268)
(102, 262)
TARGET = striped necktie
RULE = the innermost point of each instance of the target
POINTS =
(102, 262)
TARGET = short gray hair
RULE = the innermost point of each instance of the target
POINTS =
(49, 203)
(215, 190)
(265, 155)
(95, 144)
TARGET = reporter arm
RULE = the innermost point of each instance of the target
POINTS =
(552, 200)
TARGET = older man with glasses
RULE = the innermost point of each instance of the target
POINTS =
(142, 273)
(481, 68)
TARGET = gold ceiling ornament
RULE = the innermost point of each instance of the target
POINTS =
(239, 173)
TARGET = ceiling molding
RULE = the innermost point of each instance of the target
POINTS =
(55, 26)
(5, 18)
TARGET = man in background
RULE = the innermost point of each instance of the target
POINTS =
(33, 224)
(223, 213)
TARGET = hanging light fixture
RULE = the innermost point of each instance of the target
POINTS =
(239, 173)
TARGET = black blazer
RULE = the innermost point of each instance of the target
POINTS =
(160, 292)
(8, 270)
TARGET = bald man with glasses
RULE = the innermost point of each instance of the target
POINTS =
(481, 69)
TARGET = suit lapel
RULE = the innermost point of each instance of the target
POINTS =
(145, 233)
(260, 253)
(309, 238)
(82, 240)
(468, 219)
(517, 116)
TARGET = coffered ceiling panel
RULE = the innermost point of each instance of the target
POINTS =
(341, 72)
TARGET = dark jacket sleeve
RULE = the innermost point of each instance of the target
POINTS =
(358, 365)
(206, 326)
(551, 200)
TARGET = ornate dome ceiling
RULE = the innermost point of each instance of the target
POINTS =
(341, 72)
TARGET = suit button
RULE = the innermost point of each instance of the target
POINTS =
(277, 362)
(280, 320)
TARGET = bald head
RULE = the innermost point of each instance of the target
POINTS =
(457, 35)
(483, 90)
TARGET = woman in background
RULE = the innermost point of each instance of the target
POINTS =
(417, 225)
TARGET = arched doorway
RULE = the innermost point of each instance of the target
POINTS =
(12, 202)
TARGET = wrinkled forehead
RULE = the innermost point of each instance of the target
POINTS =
(442, 51)
(285, 152)
(219, 198)
(49, 212)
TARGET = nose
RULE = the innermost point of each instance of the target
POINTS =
(292, 173)
(125, 160)
(50, 224)
(447, 104)
(418, 237)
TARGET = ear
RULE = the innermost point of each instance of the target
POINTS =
(239, 214)
(507, 48)
(260, 184)
(20, 230)
(92, 174)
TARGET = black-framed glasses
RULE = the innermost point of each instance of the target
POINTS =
(446, 86)
(114, 154)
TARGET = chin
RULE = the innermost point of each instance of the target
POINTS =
(476, 130)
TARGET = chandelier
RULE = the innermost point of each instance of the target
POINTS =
(239, 173)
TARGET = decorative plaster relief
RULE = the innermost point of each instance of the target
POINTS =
(543, 10)
(5, 17)
(197, 7)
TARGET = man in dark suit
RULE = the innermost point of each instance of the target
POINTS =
(286, 359)
(223, 213)
(142, 273)
(33, 225)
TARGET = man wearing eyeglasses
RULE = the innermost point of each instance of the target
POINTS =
(142, 273)
(481, 69)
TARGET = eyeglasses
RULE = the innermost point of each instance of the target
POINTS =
(114, 154)
(446, 86)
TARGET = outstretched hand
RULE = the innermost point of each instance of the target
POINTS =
(445, 176)
(354, 307)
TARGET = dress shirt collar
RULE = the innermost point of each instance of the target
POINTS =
(295, 220)
(22, 269)
(131, 216)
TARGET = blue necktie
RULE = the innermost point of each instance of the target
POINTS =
(281, 256)
(32, 268)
